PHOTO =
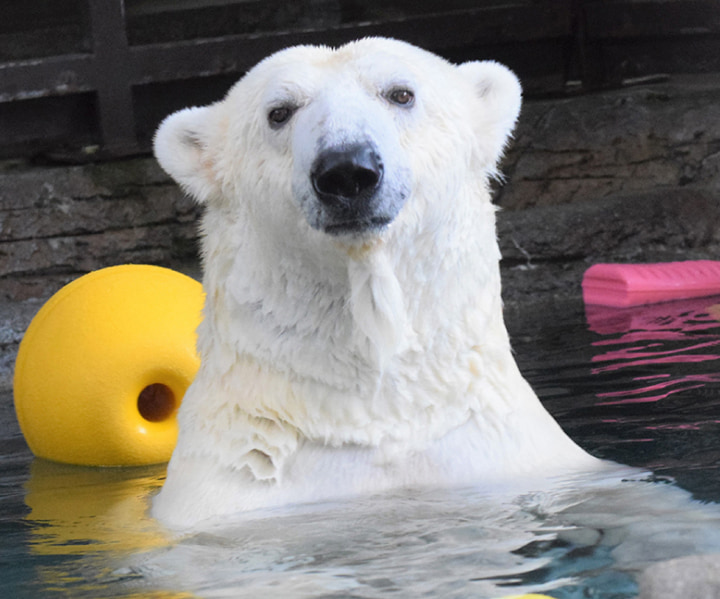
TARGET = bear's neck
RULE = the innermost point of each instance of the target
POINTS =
(387, 342)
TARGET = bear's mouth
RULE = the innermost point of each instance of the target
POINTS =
(358, 225)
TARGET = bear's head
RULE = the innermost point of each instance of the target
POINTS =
(345, 136)
(346, 182)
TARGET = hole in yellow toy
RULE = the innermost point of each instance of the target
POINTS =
(156, 402)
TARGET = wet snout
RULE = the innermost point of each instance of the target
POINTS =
(345, 176)
(346, 180)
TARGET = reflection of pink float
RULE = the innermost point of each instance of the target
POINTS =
(656, 335)
(624, 285)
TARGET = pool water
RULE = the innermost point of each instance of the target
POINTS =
(640, 386)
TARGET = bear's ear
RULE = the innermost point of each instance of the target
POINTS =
(181, 149)
(500, 94)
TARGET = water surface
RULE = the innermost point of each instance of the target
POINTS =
(638, 386)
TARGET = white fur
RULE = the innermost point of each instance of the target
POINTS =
(343, 364)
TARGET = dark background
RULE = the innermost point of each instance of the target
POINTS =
(79, 73)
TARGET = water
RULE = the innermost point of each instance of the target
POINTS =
(638, 386)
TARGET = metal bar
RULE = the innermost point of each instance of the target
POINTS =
(652, 18)
(113, 76)
(237, 53)
(53, 76)
(118, 66)
(114, 67)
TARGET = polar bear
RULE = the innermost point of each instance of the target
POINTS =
(353, 338)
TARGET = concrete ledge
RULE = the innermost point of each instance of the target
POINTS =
(547, 249)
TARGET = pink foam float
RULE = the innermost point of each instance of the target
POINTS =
(625, 285)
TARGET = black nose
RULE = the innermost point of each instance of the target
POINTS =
(348, 176)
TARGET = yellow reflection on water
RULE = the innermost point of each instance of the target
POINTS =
(77, 509)
(95, 521)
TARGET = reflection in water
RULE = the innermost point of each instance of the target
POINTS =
(85, 522)
(71, 517)
(648, 339)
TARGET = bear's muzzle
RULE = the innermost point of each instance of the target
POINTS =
(346, 181)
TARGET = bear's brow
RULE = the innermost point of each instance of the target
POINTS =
(288, 92)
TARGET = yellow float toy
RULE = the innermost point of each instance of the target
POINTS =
(104, 365)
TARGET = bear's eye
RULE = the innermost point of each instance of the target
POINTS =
(280, 115)
(401, 97)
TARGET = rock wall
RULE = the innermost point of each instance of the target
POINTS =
(616, 143)
(60, 221)
(626, 175)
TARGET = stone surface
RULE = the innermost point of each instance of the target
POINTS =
(616, 142)
(546, 249)
(14, 319)
(61, 221)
